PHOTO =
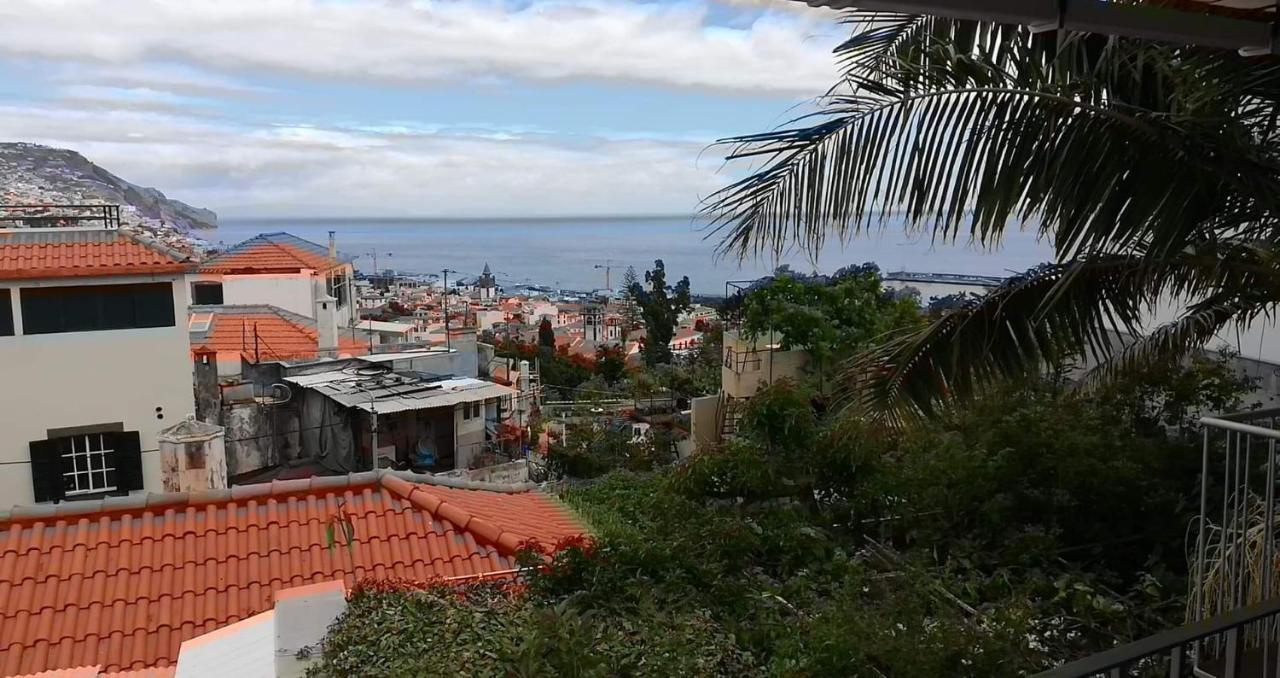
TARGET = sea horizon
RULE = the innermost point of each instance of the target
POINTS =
(564, 253)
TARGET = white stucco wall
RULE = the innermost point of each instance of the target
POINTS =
(290, 292)
(468, 435)
(87, 378)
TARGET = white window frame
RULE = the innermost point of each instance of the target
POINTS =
(87, 465)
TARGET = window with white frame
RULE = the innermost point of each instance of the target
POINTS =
(87, 467)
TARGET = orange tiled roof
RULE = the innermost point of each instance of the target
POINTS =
(271, 253)
(280, 335)
(96, 672)
(28, 255)
(120, 583)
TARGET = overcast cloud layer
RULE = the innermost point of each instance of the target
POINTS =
(213, 102)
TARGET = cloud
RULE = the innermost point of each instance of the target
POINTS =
(325, 171)
(672, 45)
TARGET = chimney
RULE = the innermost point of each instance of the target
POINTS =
(327, 326)
(524, 400)
(193, 457)
(333, 246)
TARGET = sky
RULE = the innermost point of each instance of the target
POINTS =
(412, 108)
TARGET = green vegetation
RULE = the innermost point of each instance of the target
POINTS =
(830, 320)
(660, 307)
(1152, 169)
(1035, 525)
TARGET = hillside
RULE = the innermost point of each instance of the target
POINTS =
(34, 174)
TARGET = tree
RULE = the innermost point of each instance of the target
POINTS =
(830, 322)
(660, 308)
(546, 335)
(630, 306)
(611, 363)
(1152, 169)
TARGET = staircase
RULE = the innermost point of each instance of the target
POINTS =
(729, 415)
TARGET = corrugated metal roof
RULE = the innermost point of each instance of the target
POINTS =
(382, 392)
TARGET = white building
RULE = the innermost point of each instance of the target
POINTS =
(386, 333)
(281, 270)
(93, 343)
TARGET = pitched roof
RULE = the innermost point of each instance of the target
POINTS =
(120, 583)
(96, 672)
(271, 253)
(261, 332)
(67, 253)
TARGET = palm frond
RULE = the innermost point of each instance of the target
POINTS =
(971, 161)
(1058, 312)
(1172, 341)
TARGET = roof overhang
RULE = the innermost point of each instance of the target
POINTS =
(1248, 26)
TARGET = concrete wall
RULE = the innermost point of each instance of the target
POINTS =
(134, 377)
(742, 374)
(468, 436)
(702, 421)
(292, 292)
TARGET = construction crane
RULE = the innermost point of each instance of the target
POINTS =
(608, 268)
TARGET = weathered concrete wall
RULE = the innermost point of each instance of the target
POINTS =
(208, 392)
(702, 421)
(250, 439)
(193, 466)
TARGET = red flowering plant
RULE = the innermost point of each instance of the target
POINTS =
(559, 570)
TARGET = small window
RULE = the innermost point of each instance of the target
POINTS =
(466, 411)
(87, 465)
(6, 314)
(206, 293)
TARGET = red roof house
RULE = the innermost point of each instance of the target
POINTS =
(120, 583)
(272, 253)
(260, 333)
(35, 254)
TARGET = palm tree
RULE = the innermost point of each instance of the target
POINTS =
(1153, 170)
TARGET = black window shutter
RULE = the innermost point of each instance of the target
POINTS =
(127, 458)
(46, 470)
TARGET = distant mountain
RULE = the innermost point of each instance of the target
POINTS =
(34, 174)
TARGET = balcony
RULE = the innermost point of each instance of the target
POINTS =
(1233, 610)
(59, 216)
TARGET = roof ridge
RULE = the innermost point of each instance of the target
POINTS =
(275, 488)
(506, 541)
(158, 246)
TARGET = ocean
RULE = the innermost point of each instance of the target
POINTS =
(564, 252)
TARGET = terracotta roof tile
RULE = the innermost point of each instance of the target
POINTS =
(28, 255)
(263, 332)
(271, 253)
(120, 585)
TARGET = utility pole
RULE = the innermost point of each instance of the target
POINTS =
(607, 266)
(448, 340)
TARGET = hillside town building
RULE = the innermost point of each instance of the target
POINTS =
(96, 361)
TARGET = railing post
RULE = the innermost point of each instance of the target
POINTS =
(1175, 662)
(1234, 654)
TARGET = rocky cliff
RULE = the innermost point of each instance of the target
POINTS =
(34, 174)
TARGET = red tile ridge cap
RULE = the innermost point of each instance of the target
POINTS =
(307, 590)
(154, 501)
(506, 541)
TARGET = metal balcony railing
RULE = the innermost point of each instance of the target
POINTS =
(1175, 652)
(55, 216)
(1233, 609)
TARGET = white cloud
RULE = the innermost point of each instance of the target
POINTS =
(431, 41)
(308, 171)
